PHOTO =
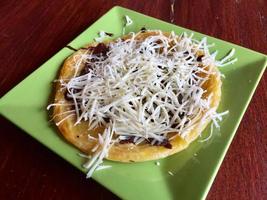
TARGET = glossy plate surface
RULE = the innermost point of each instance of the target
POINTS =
(194, 169)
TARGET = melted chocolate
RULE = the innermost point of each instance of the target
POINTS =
(66, 96)
(100, 50)
(173, 125)
(86, 69)
(190, 81)
(106, 119)
(186, 53)
(188, 58)
(166, 143)
(128, 140)
(180, 98)
(181, 115)
(199, 58)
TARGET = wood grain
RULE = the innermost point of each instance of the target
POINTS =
(32, 31)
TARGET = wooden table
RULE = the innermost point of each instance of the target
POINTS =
(31, 31)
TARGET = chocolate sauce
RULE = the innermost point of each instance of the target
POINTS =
(199, 58)
(130, 139)
(106, 119)
(180, 98)
(181, 115)
(86, 69)
(101, 50)
(166, 143)
(67, 97)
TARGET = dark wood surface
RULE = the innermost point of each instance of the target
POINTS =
(31, 31)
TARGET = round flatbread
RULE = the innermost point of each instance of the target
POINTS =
(127, 152)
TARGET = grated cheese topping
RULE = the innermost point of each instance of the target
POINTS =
(143, 90)
(129, 21)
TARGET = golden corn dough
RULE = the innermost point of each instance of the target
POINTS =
(129, 152)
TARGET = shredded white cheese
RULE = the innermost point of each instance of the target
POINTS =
(207, 138)
(147, 89)
(129, 21)
(101, 167)
(101, 153)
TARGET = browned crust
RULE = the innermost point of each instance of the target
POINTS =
(78, 135)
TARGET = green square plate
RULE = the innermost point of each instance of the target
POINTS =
(194, 169)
